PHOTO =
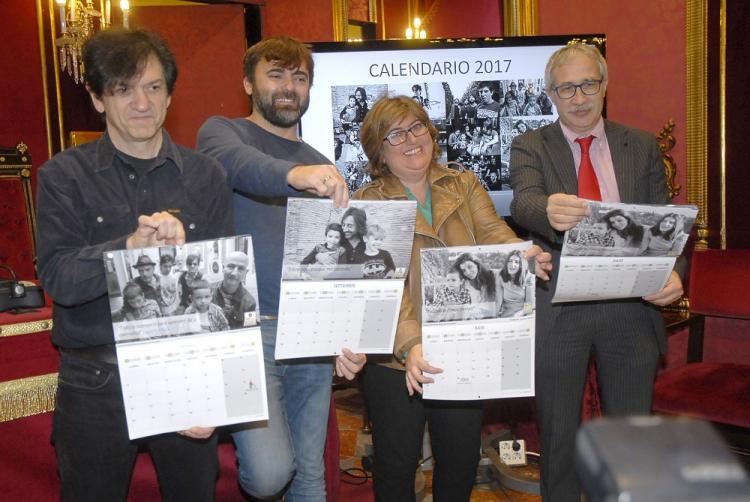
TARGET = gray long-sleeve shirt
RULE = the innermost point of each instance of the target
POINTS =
(257, 163)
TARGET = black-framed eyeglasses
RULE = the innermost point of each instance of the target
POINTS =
(398, 136)
(589, 88)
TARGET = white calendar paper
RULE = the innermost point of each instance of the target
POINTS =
(478, 321)
(318, 318)
(484, 360)
(598, 278)
(343, 276)
(189, 349)
(622, 251)
(208, 380)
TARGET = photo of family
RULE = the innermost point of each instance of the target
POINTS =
(630, 230)
(201, 287)
(481, 282)
(366, 240)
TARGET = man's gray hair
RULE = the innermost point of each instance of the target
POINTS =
(564, 54)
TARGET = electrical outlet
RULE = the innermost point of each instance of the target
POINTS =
(512, 457)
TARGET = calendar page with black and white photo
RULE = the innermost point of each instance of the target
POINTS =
(185, 320)
(478, 315)
(622, 251)
(343, 276)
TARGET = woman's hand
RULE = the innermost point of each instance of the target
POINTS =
(543, 261)
(197, 432)
(349, 364)
(416, 367)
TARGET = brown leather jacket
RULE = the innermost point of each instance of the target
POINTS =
(462, 215)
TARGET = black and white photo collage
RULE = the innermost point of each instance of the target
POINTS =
(476, 123)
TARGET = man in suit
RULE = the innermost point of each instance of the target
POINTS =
(625, 336)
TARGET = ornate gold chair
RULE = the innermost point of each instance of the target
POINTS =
(18, 231)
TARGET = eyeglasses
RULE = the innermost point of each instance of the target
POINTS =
(398, 136)
(588, 88)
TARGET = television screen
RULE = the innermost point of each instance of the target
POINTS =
(479, 93)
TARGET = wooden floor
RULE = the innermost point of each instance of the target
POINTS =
(349, 414)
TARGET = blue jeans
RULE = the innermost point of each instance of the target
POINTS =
(289, 446)
(95, 458)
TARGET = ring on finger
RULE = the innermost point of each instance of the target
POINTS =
(325, 178)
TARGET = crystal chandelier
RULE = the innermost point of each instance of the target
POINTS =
(79, 21)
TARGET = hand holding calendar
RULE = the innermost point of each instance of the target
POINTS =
(624, 251)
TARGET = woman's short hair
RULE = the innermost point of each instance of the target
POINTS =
(378, 123)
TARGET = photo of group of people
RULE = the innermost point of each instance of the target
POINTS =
(177, 290)
(366, 240)
(471, 283)
(629, 230)
(476, 121)
(351, 104)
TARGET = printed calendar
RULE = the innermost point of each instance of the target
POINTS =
(200, 380)
(622, 251)
(597, 278)
(189, 349)
(343, 276)
(318, 318)
(478, 317)
(487, 360)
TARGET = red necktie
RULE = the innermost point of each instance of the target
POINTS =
(588, 185)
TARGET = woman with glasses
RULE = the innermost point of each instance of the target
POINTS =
(453, 210)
